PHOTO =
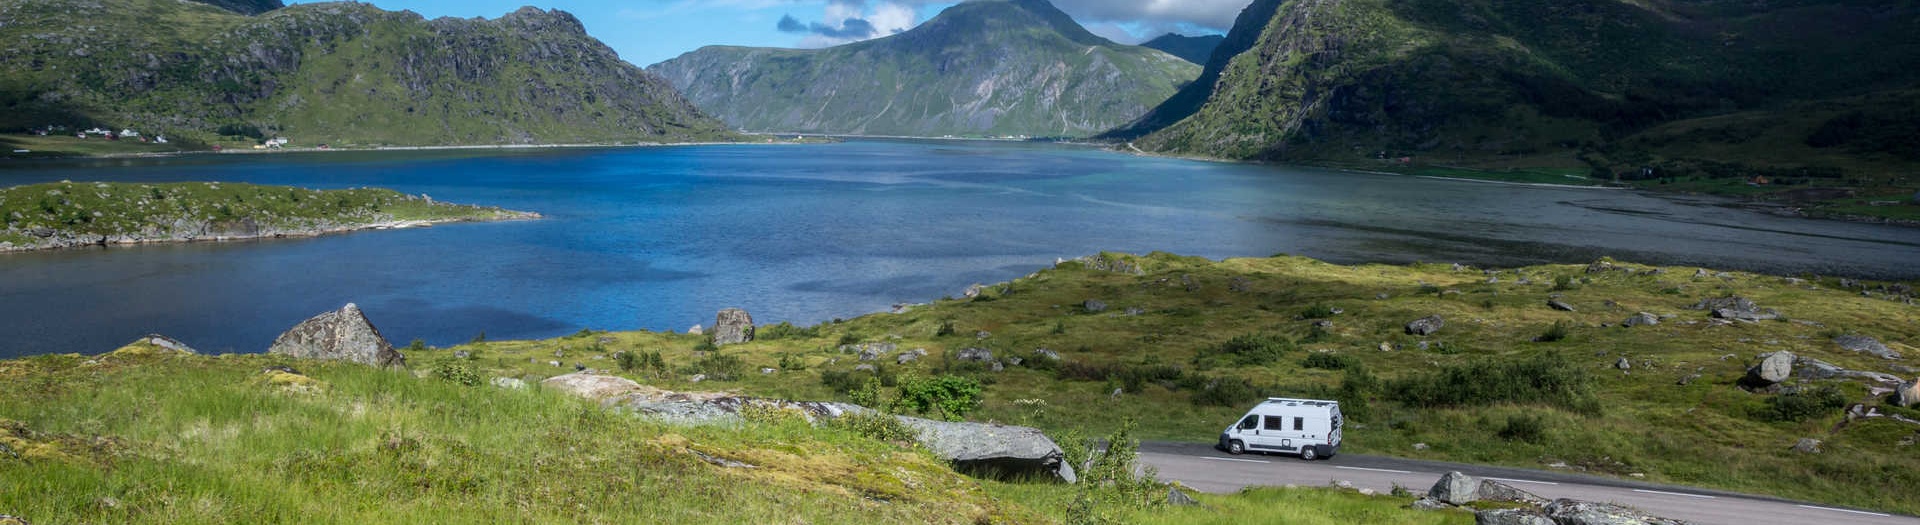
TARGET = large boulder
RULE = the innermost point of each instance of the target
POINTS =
(168, 343)
(1908, 395)
(1773, 368)
(1455, 488)
(339, 335)
(1511, 517)
(1426, 325)
(1866, 345)
(591, 386)
(997, 450)
(1641, 319)
(1736, 308)
(1491, 490)
(1574, 512)
(732, 326)
(981, 355)
(1561, 306)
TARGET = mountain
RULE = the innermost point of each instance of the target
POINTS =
(1711, 88)
(1195, 49)
(245, 7)
(1246, 32)
(986, 67)
(341, 73)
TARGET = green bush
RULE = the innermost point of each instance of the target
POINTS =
(945, 329)
(1256, 349)
(1548, 379)
(1226, 392)
(1330, 361)
(1802, 405)
(875, 425)
(1526, 428)
(792, 362)
(949, 397)
(1565, 283)
(1555, 333)
(848, 381)
(457, 370)
(717, 366)
(638, 361)
(418, 345)
(1317, 311)
(785, 330)
(706, 345)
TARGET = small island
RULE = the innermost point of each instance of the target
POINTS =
(75, 214)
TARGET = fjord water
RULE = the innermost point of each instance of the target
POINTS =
(661, 238)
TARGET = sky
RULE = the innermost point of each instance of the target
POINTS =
(645, 32)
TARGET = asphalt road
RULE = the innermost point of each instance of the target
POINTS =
(1203, 468)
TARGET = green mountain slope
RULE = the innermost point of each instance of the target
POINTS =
(340, 73)
(1555, 82)
(1245, 33)
(990, 67)
(245, 7)
(1195, 49)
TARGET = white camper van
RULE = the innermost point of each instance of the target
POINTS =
(1308, 427)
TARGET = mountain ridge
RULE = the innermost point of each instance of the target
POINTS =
(1195, 49)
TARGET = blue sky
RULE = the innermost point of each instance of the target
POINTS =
(648, 31)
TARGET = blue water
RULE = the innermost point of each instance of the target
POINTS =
(661, 238)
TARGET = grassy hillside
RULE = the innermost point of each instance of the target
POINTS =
(987, 68)
(1190, 344)
(343, 74)
(147, 435)
(63, 214)
(1597, 85)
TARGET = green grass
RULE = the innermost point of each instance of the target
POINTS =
(200, 209)
(68, 146)
(1709, 433)
(145, 435)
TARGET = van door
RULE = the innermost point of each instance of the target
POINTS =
(1273, 435)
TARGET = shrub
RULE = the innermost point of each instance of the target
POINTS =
(627, 361)
(1527, 428)
(1802, 405)
(1565, 283)
(1356, 389)
(1226, 392)
(785, 330)
(849, 338)
(1256, 349)
(717, 366)
(1554, 333)
(1318, 311)
(636, 361)
(950, 397)
(706, 345)
(418, 345)
(1545, 379)
(847, 382)
(792, 362)
(1110, 486)
(945, 329)
(1059, 327)
(875, 425)
(1330, 361)
(458, 371)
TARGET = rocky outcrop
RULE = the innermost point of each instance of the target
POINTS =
(168, 343)
(1810, 368)
(1426, 325)
(1908, 395)
(1558, 305)
(591, 386)
(1455, 488)
(1511, 517)
(980, 355)
(732, 326)
(340, 335)
(1641, 319)
(1773, 368)
(1574, 512)
(1866, 345)
(1094, 306)
(1491, 490)
(992, 449)
(1736, 308)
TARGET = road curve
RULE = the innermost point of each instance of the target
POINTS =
(1203, 468)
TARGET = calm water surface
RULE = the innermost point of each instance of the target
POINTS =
(661, 238)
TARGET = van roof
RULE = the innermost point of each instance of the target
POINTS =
(1300, 402)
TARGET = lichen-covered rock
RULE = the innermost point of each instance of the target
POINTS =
(1511, 517)
(591, 386)
(1558, 305)
(1491, 490)
(1094, 306)
(1773, 368)
(1426, 325)
(339, 335)
(732, 326)
(974, 354)
(1573, 512)
(993, 449)
(1866, 345)
(1641, 319)
(1455, 488)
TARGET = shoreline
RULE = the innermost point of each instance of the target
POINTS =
(110, 242)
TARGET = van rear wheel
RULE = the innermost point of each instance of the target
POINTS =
(1308, 454)
(1236, 448)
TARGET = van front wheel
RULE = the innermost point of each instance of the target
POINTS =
(1308, 454)
(1236, 448)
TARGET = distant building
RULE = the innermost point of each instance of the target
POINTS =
(129, 133)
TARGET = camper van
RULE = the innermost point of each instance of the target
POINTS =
(1308, 427)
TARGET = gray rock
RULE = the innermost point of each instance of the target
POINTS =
(906, 357)
(1323, 324)
(995, 449)
(870, 351)
(1908, 395)
(1239, 284)
(169, 343)
(732, 326)
(1491, 490)
(1623, 364)
(700, 377)
(1180, 499)
(1573, 512)
(1134, 311)
(1810, 368)
(1701, 273)
(973, 291)
(1807, 446)
(1046, 354)
(1641, 319)
(1455, 488)
(974, 354)
(1428, 503)
(863, 367)
(339, 335)
(1557, 305)
(1426, 325)
(1737, 308)
(590, 386)
(1867, 345)
(1015, 360)
(1773, 368)
(697, 330)
(1511, 517)
(1095, 306)
(462, 354)
(982, 335)
(997, 366)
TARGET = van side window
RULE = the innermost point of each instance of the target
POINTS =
(1249, 423)
(1299, 423)
(1276, 423)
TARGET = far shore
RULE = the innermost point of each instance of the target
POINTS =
(109, 242)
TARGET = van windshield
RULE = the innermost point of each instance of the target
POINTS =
(1249, 423)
